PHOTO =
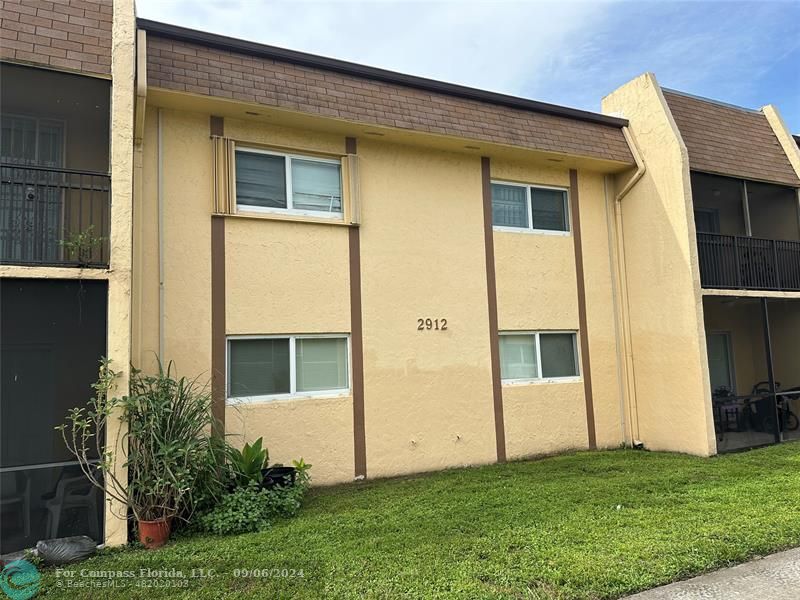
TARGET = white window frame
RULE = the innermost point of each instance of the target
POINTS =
(290, 210)
(529, 380)
(529, 200)
(293, 393)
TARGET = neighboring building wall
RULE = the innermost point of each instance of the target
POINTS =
(77, 36)
(730, 140)
(789, 143)
(742, 319)
(784, 318)
(428, 394)
(121, 242)
(673, 404)
(72, 35)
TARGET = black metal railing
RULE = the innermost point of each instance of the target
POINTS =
(55, 217)
(748, 263)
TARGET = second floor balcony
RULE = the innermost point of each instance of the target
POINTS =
(54, 217)
(54, 183)
(748, 234)
(741, 262)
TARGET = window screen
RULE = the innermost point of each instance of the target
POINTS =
(518, 357)
(260, 180)
(259, 367)
(509, 205)
(321, 364)
(549, 209)
(316, 186)
(558, 354)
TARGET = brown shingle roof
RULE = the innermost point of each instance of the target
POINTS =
(184, 60)
(728, 140)
(62, 34)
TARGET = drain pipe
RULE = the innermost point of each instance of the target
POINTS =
(608, 189)
(630, 378)
(138, 177)
(160, 202)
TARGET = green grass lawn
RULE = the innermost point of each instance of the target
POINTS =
(586, 525)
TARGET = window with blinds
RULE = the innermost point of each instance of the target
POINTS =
(532, 356)
(270, 181)
(264, 368)
(532, 208)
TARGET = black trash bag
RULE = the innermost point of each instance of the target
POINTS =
(62, 551)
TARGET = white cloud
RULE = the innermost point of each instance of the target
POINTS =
(567, 52)
(506, 47)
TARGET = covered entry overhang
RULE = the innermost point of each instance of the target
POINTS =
(754, 369)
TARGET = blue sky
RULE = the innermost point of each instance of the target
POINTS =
(565, 52)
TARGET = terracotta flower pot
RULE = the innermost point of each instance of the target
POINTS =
(154, 534)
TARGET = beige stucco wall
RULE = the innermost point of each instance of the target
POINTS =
(286, 277)
(428, 394)
(537, 290)
(121, 234)
(281, 277)
(673, 407)
(601, 304)
(784, 136)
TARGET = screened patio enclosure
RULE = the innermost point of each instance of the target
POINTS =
(52, 335)
(754, 369)
(54, 169)
(748, 233)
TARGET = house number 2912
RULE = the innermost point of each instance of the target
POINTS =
(435, 324)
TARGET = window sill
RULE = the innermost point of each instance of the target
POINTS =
(545, 381)
(531, 231)
(284, 398)
(295, 217)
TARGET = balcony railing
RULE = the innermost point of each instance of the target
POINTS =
(748, 263)
(54, 217)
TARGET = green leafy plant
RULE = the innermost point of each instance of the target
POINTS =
(303, 476)
(247, 463)
(165, 442)
(251, 508)
(80, 245)
(284, 502)
(244, 510)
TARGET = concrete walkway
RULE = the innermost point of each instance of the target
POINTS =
(775, 577)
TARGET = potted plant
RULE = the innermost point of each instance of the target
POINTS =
(170, 455)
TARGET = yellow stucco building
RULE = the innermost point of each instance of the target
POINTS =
(385, 274)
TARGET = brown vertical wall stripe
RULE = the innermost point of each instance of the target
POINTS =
(491, 291)
(357, 342)
(586, 370)
(218, 367)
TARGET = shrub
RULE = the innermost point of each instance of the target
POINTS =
(251, 508)
(248, 462)
(172, 459)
